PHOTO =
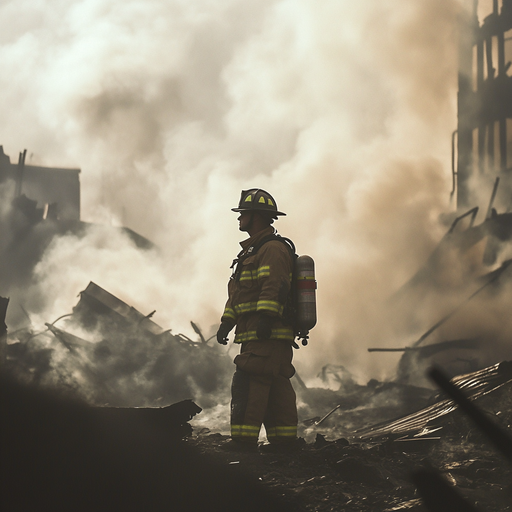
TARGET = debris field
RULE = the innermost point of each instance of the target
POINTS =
(360, 449)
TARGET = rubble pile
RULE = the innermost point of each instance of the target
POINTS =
(423, 423)
(370, 469)
(358, 405)
(127, 360)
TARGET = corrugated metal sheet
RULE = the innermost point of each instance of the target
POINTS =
(475, 385)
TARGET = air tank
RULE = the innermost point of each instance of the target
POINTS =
(306, 295)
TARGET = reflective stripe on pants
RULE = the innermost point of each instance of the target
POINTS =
(263, 399)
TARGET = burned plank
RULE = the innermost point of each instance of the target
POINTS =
(62, 456)
(70, 341)
(173, 418)
(4, 302)
(96, 303)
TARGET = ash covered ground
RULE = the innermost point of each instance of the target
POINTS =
(336, 476)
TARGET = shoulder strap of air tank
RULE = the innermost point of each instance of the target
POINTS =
(236, 265)
(286, 241)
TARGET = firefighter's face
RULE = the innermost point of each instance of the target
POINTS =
(245, 221)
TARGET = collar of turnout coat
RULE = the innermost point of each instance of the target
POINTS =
(254, 239)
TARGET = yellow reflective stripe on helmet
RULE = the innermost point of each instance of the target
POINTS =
(284, 333)
(245, 307)
(230, 313)
(250, 431)
(251, 275)
(270, 305)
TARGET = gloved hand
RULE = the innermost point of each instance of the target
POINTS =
(222, 333)
(264, 327)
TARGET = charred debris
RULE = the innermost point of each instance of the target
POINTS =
(384, 446)
(128, 361)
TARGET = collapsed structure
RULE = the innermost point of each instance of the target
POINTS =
(483, 137)
(128, 361)
(470, 267)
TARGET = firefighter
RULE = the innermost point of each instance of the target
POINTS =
(258, 290)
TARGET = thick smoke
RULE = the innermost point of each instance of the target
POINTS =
(342, 110)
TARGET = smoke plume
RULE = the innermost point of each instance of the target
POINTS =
(342, 110)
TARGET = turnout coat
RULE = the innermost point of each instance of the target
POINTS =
(260, 283)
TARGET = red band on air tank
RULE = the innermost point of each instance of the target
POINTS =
(306, 285)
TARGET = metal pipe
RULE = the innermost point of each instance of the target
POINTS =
(454, 172)
(19, 176)
(493, 196)
(326, 416)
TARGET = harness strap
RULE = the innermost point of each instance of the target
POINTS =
(253, 249)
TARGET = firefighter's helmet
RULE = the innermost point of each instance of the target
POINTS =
(258, 200)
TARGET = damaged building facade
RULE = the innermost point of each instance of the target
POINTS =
(466, 278)
(55, 191)
(483, 148)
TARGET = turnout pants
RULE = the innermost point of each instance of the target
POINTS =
(261, 392)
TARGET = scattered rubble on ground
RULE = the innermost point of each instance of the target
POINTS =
(370, 470)
(374, 469)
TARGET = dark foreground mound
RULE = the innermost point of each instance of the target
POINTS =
(61, 455)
